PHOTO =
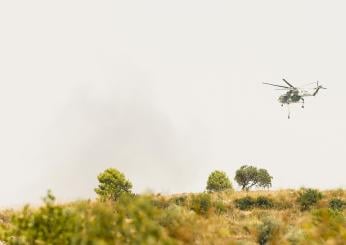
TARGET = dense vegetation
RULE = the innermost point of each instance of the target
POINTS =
(305, 216)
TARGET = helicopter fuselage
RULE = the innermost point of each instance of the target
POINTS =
(293, 96)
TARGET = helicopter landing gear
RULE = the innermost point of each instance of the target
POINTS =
(289, 111)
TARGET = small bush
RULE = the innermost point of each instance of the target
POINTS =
(180, 200)
(50, 224)
(294, 235)
(160, 202)
(220, 207)
(180, 223)
(308, 197)
(245, 203)
(218, 181)
(248, 202)
(201, 203)
(131, 220)
(264, 202)
(337, 204)
(137, 222)
(267, 231)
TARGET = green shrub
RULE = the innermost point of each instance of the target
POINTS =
(112, 184)
(337, 204)
(308, 197)
(218, 181)
(268, 231)
(180, 200)
(50, 224)
(245, 203)
(131, 220)
(294, 235)
(264, 202)
(248, 202)
(137, 222)
(160, 202)
(220, 207)
(201, 203)
(180, 223)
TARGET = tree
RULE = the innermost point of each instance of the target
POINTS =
(249, 176)
(218, 181)
(112, 184)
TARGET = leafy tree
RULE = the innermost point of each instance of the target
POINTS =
(218, 181)
(112, 184)
(249, 176)
(264, 180)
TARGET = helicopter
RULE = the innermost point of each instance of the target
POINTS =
(295, 94)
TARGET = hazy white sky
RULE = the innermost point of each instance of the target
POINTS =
(167, 91)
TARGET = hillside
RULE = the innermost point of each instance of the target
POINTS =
(255, 217)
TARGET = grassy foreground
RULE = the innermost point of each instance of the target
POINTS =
(256, 217)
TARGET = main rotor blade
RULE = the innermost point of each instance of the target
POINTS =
(276, 85)
(307, 84)
(288, 83)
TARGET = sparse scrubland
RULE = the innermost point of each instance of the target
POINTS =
(220, 215)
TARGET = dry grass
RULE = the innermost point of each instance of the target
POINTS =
(294, 226)
(215, 219)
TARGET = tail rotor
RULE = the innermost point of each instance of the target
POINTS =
(320, 86)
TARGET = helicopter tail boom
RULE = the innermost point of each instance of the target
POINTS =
(316, 91)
